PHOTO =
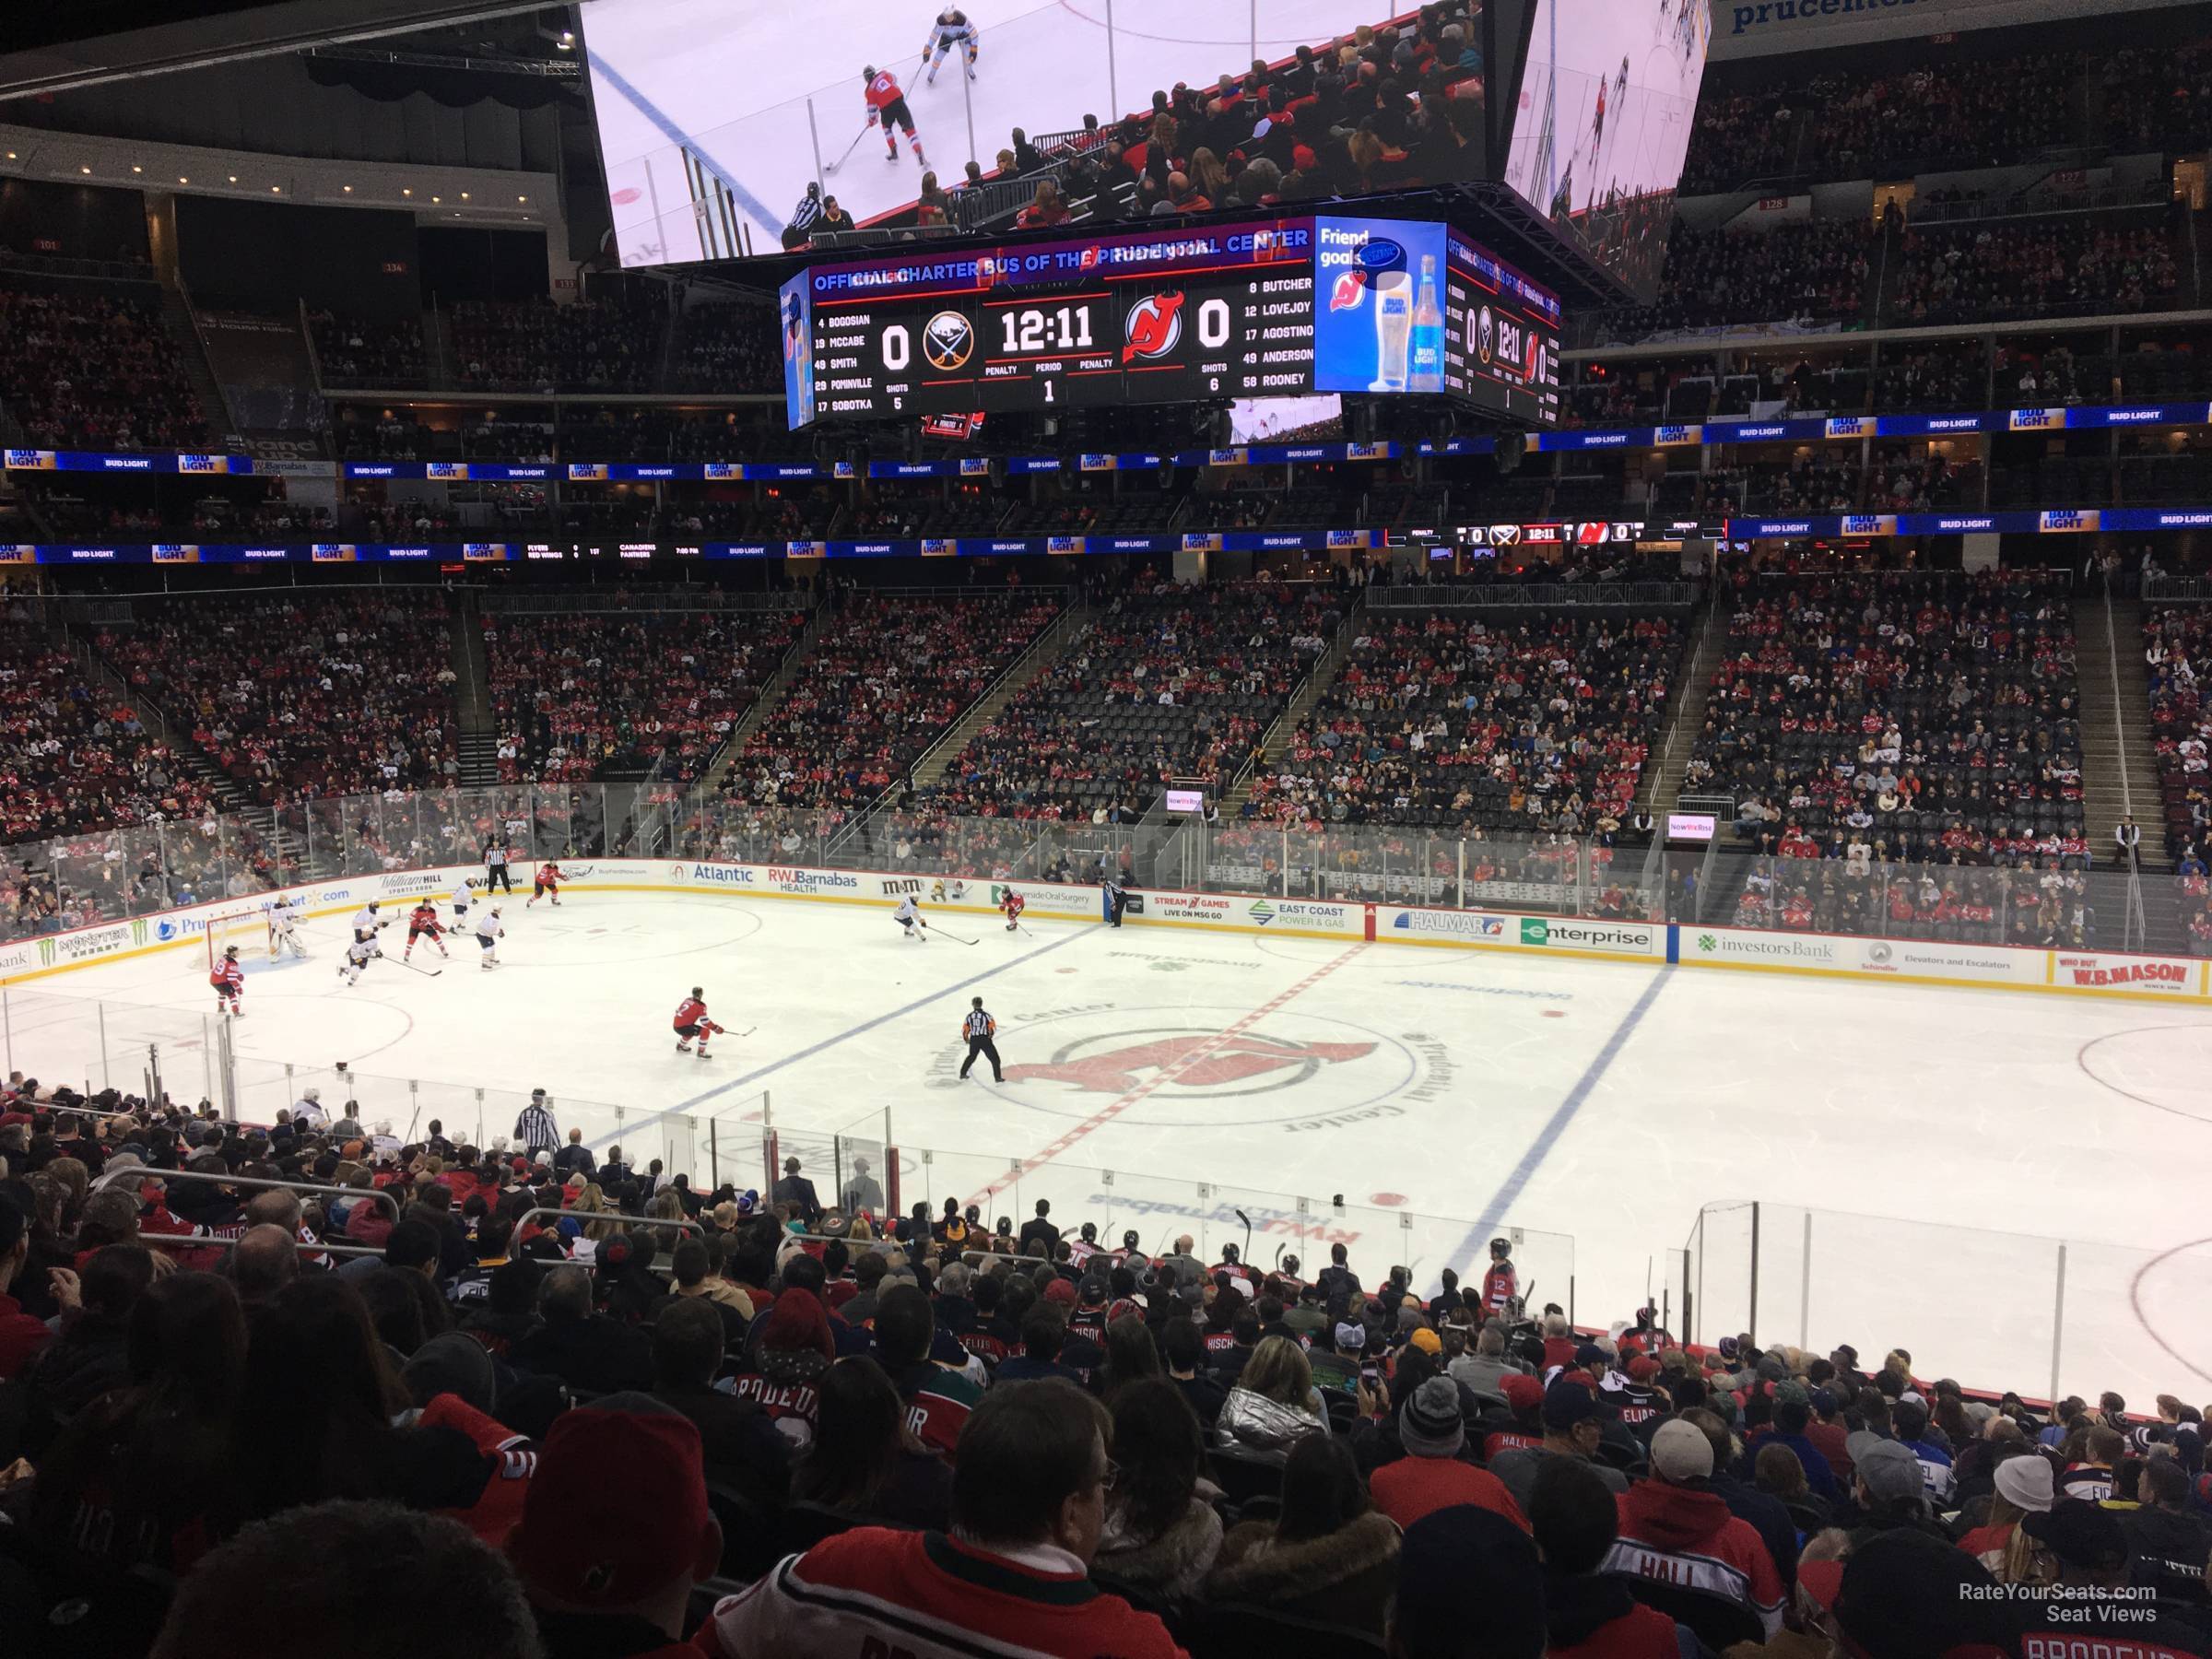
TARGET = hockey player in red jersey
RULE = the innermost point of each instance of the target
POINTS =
(422, 923)
(1501, 1284)
(1013, 905)
(547, 886)
(230, 982)
(692, 1021)
(887, 108)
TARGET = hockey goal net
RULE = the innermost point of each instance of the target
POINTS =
(248, 928)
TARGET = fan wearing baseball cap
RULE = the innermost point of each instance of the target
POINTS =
(1571, 1429)
(616, 1530)
(1028, 1505)
(1676, 1529)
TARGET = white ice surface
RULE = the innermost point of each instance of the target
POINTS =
(1472, 1091)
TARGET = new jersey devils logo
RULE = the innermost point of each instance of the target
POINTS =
(1154, 327)
(1115, 1071)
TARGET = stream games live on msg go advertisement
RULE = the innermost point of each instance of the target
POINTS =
(1269, 308)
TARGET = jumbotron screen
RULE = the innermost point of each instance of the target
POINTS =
(714, 119)
(1266, 308)
(1602, 124)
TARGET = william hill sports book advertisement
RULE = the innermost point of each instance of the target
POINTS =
(1269, 308)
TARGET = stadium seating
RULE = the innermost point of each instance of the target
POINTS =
(75, 759)
(2041, 268)
(607, 697)
(1167, 683)
(2178, 654)
(1927, 716)
(1456, 723)
(91, 366)
(310, 694)
(887, 678)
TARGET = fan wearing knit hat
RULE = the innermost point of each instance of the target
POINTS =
(609, 1563)
(1432, 1476)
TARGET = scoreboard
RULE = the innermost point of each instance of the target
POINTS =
(1269, 308)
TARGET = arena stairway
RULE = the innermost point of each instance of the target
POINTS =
(771, 694)
(1662, 780)
(188, 756)
(215, 404)
(1276, 739)
(472, 693)
(1046, 650)
(2119, 769)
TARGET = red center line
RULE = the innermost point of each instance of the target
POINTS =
(1166, 1074)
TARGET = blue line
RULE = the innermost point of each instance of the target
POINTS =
(1475, 1246)
(829, 1042)
(683, 140)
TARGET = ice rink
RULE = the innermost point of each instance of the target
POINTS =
(1161, 1080)
(751, 92)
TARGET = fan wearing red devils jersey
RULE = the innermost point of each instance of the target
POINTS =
(547, 884)
(887, 108)
(692, 1021)
(1011, 1579)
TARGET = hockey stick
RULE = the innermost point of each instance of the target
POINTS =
(426, 973)
(833, 166)
(954, 937)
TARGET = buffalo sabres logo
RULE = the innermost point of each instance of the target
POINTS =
(947, 340)
(1153, 327)
(1486, 335)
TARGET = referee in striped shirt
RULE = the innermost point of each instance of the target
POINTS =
(534, 1128)
(979, 1027)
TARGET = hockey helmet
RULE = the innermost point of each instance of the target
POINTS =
(229, 951)
(868, 74)
(1499, 1249)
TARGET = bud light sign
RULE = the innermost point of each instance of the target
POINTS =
(1378, 320)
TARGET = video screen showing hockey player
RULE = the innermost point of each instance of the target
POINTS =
(1602, 126)
(724, 129)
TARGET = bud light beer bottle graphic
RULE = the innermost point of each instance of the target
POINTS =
(1394, 328)
(1427, 371)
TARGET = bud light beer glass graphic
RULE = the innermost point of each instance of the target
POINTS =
(1394, 329)
(1425, 370)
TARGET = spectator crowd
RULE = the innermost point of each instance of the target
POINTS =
(590, 1412)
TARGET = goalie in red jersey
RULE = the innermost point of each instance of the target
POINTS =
(230, 982)
(692, 1021)
(422, 923)
(546, 885)
(1013, 904)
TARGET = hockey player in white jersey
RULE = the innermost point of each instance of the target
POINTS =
(951, 29)
(909, 917)
(285, 917)
(359, 955)
(367, 919)
(465, 895)
(488, 934)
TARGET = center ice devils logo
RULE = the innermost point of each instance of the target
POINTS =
(947, 340)
(1154, 327)
(1282, 1061)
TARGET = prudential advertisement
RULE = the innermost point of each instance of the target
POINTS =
(1378, 305)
